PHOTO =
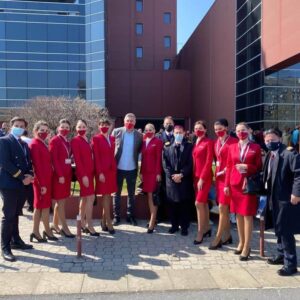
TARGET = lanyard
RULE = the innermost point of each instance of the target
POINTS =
(65, 143)
(219, 148)
(244, 152)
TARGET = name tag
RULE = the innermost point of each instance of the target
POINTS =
(68, 161)
(218, 163)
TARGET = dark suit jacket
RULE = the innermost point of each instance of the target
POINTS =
(14, 163)
(118, 133)
(165, 138)
(177, 192)
(285, 180)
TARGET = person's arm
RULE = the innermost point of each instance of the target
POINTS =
(55, 155)
(97, 155)
(77, 154)
(159, 148)
(187, 169)
(37, 160)
(257, 166)
(207, 169)
(166, 164)
(229, 166)
(294, 162)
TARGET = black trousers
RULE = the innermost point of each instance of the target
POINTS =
(286, 247)
(28, 190)
(179, 214)
(13, 202)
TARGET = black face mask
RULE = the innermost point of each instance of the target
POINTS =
(169, 128)
(273, 146)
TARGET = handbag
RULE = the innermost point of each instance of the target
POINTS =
(254, 184)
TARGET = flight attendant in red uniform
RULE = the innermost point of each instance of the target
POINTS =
(83, 158)
(244, 159)
(203, 158)
(106, 171)
(42, 185)
(151, 169)
(221, 147)
(60, 151)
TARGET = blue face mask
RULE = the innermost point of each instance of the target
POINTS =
(178, 138)
(273, 146)
(17, 131)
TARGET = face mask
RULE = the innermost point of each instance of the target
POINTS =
(221, 133)
(178, 138)
(149, 135)
(199, 133)
(17, 131)
(129, 126)
(242, 135)
(104, 129)
(43, 135)
(273, 146)
(81, 132)
(169, 128)
(64, 132)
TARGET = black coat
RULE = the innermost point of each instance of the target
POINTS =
(166, 139)
(280, 212)
(183, 191)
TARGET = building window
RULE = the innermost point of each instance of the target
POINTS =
(167, 18)
(139, 28)
(139, 52)
(139, 5)
(167, 42)
(167, 64)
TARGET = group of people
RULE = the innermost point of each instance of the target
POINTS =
(173, 169)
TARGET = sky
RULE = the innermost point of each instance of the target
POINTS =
(189, 15)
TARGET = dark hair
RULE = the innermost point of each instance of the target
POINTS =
(168, 117)
(83, 121)
(222, 122)
(38, 125)
(179, 127)
(201, 122)
(104, 121)
(64, 121)
(16, 119)
(275, 131)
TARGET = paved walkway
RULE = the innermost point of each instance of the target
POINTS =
(132, 260)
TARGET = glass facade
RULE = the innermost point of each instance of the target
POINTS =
(54, 48)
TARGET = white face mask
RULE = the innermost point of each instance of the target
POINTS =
(17, 131)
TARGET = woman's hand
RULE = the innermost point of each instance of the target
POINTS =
(226, 191)
(101, 177)
(61, 180)
(242, 168)
(43, 190)
(200, 184)
(158, 178)
(85, 181)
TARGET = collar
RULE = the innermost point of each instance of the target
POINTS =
(16, 137)
(168, 133)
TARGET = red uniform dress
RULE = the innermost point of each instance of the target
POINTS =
(203, 158)
(83, 157)
(151, 163)
(221, 154)
(243, 204)
(43, 173)
(105, 163)
(60, 151)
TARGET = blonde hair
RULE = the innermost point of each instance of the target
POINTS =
(151, 126)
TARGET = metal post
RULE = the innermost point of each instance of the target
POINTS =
(78, 237)
(262, 236)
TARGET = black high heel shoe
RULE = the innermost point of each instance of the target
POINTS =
(70, 236)
(49, 237)
(104, 227)
(207, 233)
(198, 242)
(39, 240)
(245, 258)
(53, 229)
(92, 233)
(83, 229)
(228, 241)
(150, 231)
(215, 247)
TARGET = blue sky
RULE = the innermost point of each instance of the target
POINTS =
(189, 14)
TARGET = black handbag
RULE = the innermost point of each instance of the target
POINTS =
(254, 184)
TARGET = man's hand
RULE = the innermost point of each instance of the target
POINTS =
(27, 180)
(295, 200)
(101, 177)
(177, 178)
(61, 180)
(85, 181)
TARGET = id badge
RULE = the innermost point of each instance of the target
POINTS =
(68, 161)
(218, 163)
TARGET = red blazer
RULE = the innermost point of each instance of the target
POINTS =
(41, 160)
(203, 158)
(60, 150)
(221, 154)
(252, 159)
(152, 157)
(83, 156)
(104, 154)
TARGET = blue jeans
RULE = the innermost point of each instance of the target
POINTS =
(130, 177)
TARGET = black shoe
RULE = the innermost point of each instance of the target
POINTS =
(173, 230)
(228, 241)
(287, 271)
(111, 231)
(92, 233)
(20, 245)
(150, 231)
(70, 236)
(131, 220)
(104, 227)
(116, 221)
(38, 239)
(245, 258)
(276, 260)
(184, 232)
(215, 247)
(196, 242)
(83, 230)
(207, 233)
(30, 209)
(49, 237)
(53, 229)
(8, 256)
(237, 252)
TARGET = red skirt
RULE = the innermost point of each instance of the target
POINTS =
(221, 197)
(149, 183)
(243, 204)
(202, 195)
(87, 191)
(110, 184)
(41, 201)
(61, 191)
